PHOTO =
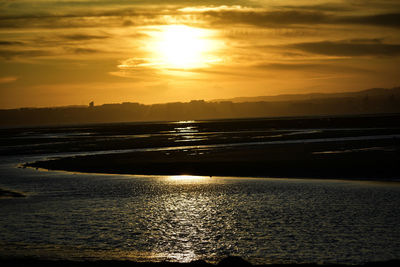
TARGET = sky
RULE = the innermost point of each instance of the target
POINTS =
(71, 52)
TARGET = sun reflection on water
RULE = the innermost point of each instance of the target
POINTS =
(183, 122)
(188, 129)
(189, 179)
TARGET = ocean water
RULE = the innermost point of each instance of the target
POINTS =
(184, 218)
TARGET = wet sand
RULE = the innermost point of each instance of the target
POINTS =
(376, 159)
(361, 147)
(5, 193)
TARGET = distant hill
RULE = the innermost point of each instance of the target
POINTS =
(301, 97)
(377, 100)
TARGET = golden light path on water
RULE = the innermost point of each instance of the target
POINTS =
(188, 179)
(182, 47)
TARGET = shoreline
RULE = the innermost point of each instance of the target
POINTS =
(322, 178)
(150, 175)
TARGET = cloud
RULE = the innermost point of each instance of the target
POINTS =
(348, 48)
(267, 18)
(83, 37)
(201, 9)
(331, 67)
(7, 43)
(289, 66)
(333, 7)
(385, 20)
(137, 63)
(301, 15)
(365, 40)
(8, 79)
(10, 54)
(154, 69)
(80, 50)
(77, 19)
(375, 4)
(279, 16)
(138, 69)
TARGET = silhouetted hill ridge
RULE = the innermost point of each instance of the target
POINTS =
(377, 100)
(311, 96)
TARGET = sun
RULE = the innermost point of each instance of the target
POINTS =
(182, 47)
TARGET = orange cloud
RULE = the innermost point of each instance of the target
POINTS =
(8, 79)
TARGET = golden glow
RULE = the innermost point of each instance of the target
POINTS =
(183, 47)
(184, 122)
(177, 51)
(188, 178)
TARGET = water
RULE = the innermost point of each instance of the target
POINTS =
(185, 218)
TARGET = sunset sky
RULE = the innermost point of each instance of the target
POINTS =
(66, 52)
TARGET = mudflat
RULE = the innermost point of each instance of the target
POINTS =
(377, 160)
(366, 147)
(4, 193)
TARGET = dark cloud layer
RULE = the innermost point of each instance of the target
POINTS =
(10, 54)
(254, 17)
(10, 43)
(332, 7)
(386, 20)
(293, 17)
(291, 66)
(348, 48)
(331, 67)
(267, 18)
(83, 50)
(83, 37)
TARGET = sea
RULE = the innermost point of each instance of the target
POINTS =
(182, 218)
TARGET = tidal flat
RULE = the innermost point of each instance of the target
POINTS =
(183, 192)
(8, 193)
(364, 147)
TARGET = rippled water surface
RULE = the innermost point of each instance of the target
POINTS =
(184, 218)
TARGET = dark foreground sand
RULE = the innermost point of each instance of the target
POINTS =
(229, 261)
(379, 161)
(8, 193)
